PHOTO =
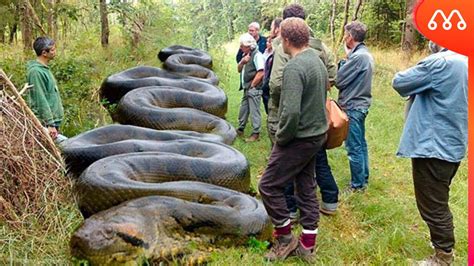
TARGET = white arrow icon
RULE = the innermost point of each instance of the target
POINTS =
(447, 25)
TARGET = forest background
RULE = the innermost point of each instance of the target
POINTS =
(96, 38)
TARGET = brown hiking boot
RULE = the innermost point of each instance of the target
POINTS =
(440, 258)
(307, 255)
(253, 137)
(282, 249)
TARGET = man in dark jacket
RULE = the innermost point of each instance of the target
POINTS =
(254, 31)
(354, 81)
(43, 98)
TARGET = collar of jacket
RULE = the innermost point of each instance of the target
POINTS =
(357, 47)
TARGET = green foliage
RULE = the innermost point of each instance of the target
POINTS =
(67, 11)
(73, 77)
(257, 246)
(385, 21)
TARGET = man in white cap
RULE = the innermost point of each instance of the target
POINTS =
(251, 73)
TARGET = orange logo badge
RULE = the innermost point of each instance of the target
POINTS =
(449, 23)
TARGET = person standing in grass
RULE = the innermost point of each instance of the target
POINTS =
(43, 98)
(301, 133)
(323, 174)
(354, 81)
(251, 69)
(435, 138)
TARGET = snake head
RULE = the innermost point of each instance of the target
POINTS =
(109, 242)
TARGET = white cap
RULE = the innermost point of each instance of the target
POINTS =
(247, 40)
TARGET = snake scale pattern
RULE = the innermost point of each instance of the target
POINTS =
(164, 180)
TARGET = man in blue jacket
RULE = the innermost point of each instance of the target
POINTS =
(435, 138)
(354, 81)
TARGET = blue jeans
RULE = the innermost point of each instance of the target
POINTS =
(356, 147)
(325, 181)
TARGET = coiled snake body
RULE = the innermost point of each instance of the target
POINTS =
(129, 177)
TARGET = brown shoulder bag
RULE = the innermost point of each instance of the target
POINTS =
(338, 123)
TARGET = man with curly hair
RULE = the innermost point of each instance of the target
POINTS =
(300, 134)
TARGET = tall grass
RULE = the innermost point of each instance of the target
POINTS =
(381, 226)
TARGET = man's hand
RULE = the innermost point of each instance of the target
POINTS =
(245, 59)
(347, 50)
(53, 132)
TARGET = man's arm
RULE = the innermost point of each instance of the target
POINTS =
(257, 79)
(239, 55)
(349, 72)
(259, 63)
(279, 61)
(413, 80)
(290, 106)
(330, 64)
(37, 98)
(241, 63)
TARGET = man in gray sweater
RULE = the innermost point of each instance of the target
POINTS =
(301, 132)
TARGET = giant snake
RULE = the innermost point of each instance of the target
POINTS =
(130, 179)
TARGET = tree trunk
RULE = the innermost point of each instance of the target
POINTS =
(229, 17)
(357, 9)
(52, 24)
(13, 30)
(332, 21)
(104, 40)
(137, 28)
(32, 13)
(346, 18)
(2, 35)
(409, 36)
(26, 30)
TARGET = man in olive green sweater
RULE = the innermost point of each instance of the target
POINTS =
(279, 61)
(300, 134)
(43, 98)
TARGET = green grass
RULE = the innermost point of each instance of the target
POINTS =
(381, 226)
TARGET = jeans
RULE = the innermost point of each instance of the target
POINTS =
(356, 147)
(325, 181)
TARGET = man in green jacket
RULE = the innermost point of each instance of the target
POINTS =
(43, 98)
